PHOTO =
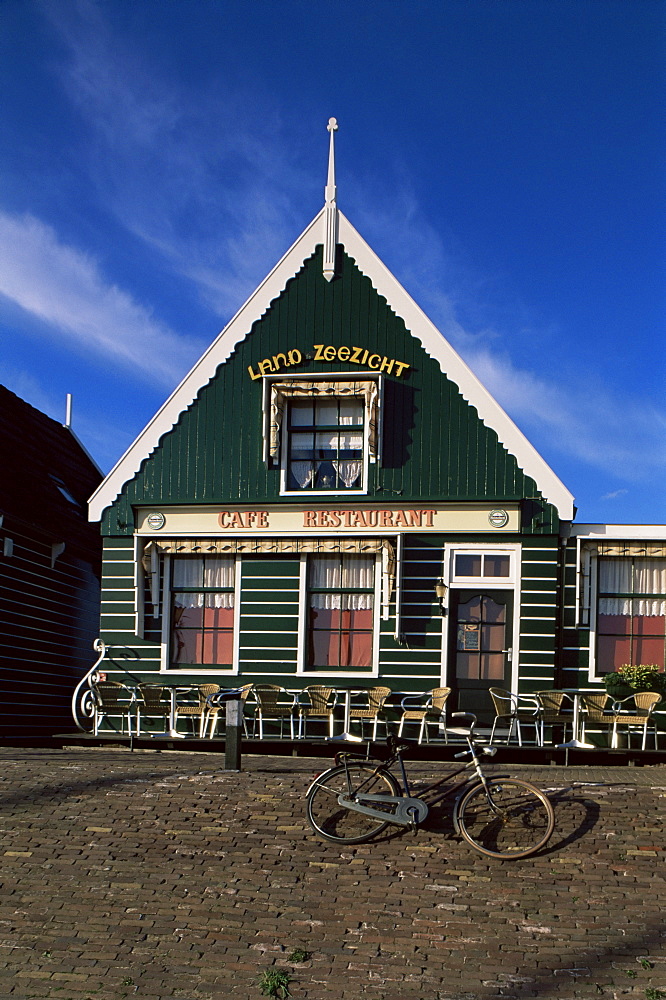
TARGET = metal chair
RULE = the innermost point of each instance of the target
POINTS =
(113, 698)
(551, 711)
(198, 709)
(376, 697)
(213, 711)
(645, 703)
(425, 709)
(322, 702)
(153, 701)
(274, 704)
(511, 710)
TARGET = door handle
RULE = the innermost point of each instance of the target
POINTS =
(509, 653)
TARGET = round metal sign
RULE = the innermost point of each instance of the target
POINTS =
(498, 518)
(156, 521)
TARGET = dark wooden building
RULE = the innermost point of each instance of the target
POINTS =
(49, 569)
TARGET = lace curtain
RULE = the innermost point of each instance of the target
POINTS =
(637, 576)
(191, 572)
(347, 573)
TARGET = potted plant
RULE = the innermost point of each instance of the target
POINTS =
(632, 677)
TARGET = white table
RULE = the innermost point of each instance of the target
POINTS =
(575, 742)
(174, 691)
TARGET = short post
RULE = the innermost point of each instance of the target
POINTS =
(232, 742)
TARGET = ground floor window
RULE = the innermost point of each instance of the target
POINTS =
(341, 601)
(631, 613)
(202, 610)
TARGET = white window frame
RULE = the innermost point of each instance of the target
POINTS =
(301, 669)
(284, 462)
(203, 671)
(593, 588)
(511, 582)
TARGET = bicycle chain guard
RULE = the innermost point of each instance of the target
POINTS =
(408, 811)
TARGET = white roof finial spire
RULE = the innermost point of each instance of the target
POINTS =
(331, 209)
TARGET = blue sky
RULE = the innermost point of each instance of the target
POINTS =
(505, 158)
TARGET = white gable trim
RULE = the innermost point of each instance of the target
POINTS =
(204, 370)
(399, 301)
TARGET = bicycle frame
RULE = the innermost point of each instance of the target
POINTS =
(412, 810)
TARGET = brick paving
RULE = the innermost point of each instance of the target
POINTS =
(157, 875)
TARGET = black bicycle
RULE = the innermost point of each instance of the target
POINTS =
(358, 798)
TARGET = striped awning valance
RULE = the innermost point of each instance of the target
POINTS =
(273, 546)
(645, 550)
(267, 546)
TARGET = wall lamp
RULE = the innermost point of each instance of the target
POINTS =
(441, 591)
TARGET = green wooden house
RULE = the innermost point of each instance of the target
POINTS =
(332, 496)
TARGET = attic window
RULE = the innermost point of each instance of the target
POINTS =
(330, 426)
(65, 492)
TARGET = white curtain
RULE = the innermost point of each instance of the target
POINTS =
(192, 572)
(649, 577)
(333, 573)
(348, 470)
(303, 472)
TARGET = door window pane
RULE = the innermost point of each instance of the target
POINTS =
(468, 565)
(496, 565)
(481, 635)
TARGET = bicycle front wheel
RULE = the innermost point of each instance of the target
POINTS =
(335, 822)
(513, 819)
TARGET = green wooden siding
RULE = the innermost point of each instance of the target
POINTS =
(539, 616)
(270, 603)
(214, 453)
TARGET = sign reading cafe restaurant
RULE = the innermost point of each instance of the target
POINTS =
(331, 496)
(278, 520)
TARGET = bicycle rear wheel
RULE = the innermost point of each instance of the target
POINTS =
(334, 822)
(512, 820)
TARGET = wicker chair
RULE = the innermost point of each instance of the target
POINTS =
(593, 712)
(113, 698)
(645, 703)
(153, 702)
(376, 697)
(513, 709)
(427, 710)
(198, 709)
(274, 704)
(213, 711)
(551, 711)
(322, 702)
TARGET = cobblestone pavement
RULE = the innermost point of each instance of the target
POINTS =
(158, 876)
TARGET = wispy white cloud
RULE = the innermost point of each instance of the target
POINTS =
(206, 180)
(624, 436)
(615, 495)
(65, 289)
(201, 176)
